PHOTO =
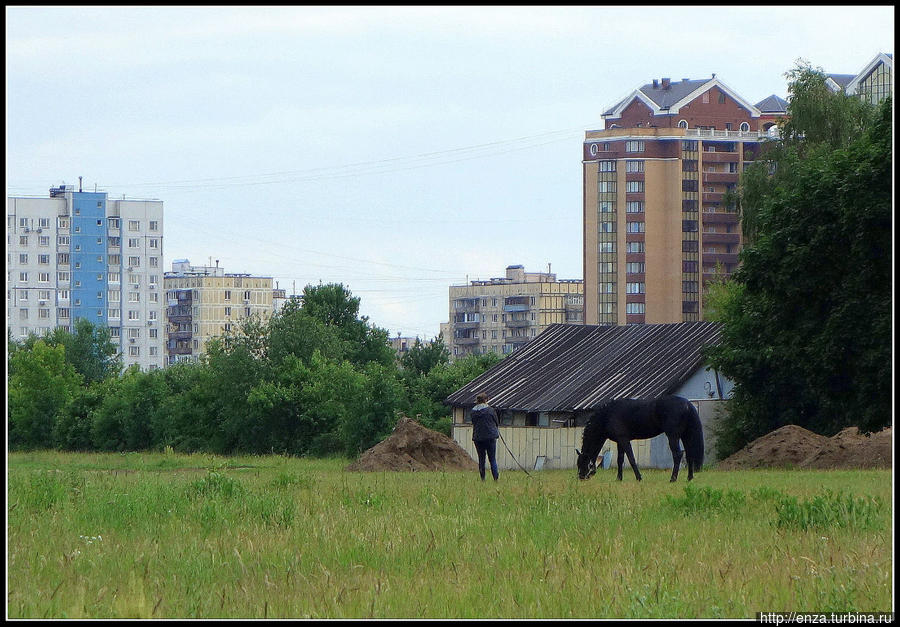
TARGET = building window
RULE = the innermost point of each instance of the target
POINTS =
(745, 127)
(682, 124)
(634, 146)
(607, 227)
(634, 166)
(634, 267)
(134, 225)
(634, 247)
(606, 166)
(634, 288)
(607, 206)
(606, 187)
(634, 206)
(154, 225)
(706, 98)
(634, 186)
(688, 226)
(634, 308)
(134, 262)
(635, 227)
(689, 287)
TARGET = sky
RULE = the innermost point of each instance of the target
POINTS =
(395, 150)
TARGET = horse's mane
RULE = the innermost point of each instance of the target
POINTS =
(595, 422)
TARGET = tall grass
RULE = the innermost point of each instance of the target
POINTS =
(170, 536)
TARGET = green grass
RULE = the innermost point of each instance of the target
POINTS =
(143, 535)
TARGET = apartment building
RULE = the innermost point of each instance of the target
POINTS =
(658, 224)
(203, 302)
(78, 254)
(501, 314)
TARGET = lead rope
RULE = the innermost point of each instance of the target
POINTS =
(510, 452)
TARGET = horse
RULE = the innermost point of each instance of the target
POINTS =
(623, 420)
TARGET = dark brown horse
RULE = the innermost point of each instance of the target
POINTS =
(624, 420)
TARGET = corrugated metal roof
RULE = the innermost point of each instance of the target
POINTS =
(577, 367)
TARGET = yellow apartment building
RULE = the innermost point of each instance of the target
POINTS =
(203, 302)
(501, 314)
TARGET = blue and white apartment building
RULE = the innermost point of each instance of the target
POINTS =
(78, 254)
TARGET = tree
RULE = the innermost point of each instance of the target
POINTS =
(89, 349)
(807, 315)
(337, 308)
(41, 383)
(421, 358)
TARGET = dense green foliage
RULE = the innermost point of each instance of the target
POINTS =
(315, 379)
(807, 316)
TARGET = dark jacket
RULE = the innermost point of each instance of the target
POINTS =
(484, 423)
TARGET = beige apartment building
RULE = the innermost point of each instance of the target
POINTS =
(501, 314)
(658, 222)
(204, 303)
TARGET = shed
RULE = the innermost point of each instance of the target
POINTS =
(544, 391)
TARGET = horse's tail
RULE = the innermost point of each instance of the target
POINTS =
(693, 437)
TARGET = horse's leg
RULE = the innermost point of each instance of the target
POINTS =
(677, 454)
(621, 461)
(630, 453)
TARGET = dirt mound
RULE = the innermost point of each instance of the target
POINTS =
(788, 446)
(793, 446)
(412, 447)
(851, 449)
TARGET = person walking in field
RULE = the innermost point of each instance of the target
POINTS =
(485, 431)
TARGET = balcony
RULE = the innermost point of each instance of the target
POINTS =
(518, 324)
(720, 177)
(514, 308)
(518, 340)
(720, 217)
(722, 238)
(723, 258)
(469, 324)
(466, 341)
(710, 134)
(713, 196)
(709, 156)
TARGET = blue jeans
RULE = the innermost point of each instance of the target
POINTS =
(489, 448)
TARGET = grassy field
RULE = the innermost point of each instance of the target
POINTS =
(197, 536)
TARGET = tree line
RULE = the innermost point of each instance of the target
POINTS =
(314, 379)
(807, 316)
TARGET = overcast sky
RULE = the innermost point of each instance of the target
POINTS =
(396, 150)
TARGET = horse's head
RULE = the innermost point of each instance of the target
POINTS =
(587, 465)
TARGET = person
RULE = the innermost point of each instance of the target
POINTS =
(485, 431)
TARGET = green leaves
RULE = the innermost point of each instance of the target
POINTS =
(806, 317)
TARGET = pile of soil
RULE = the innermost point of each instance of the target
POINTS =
(796, 447)
(412, 447)
(851, 449)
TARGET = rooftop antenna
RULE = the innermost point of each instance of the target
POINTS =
(79, 185)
